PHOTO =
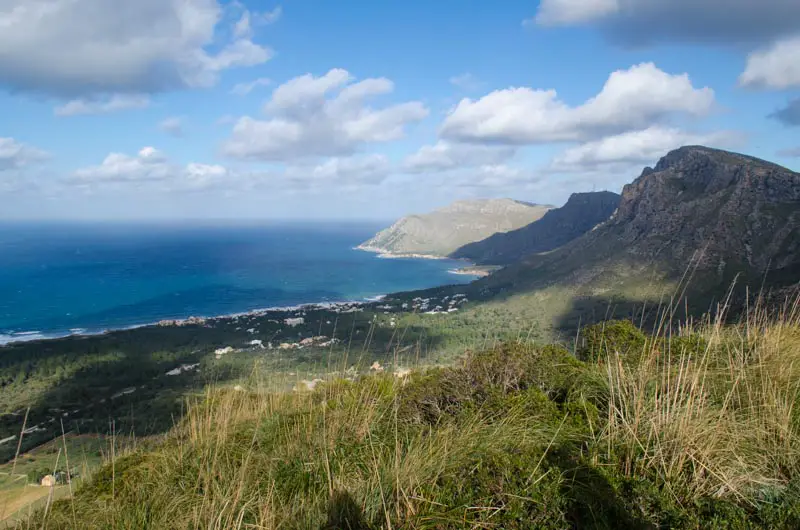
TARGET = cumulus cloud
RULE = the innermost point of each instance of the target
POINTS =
(14, 154)
(88, 47)
(114, 103)
(637, 148)
(172, 126)
(321, 116)
(444, 156)
(654, 21)
(776, 67)
(151, 167)
(242, 89)
(790, 114)
(149, 164)
(630, 99)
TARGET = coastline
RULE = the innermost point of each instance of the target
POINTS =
(9, 338)
(479, 271)
(469, 268)
(387, 254)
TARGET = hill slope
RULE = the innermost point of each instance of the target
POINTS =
(442, 231)
(717, 214)
(581, 213)
(519, 436)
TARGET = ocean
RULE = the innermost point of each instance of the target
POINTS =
(61, 279)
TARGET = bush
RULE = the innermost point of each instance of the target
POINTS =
(531, 377)
(616, 337)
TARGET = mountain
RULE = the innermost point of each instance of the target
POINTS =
(701, 213)
(447, 229)
(581, 213)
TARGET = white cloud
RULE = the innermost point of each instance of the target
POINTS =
(242, 28)
(151, 167)
(239, 53)
(444, 156)
(83, 48)
(114, 103)
(321, 116)
(554, 12)
(148, 164)
(777, 67)
(353, 171)
(242, 89)
(172, 126)
(466, 82)
(630, 99)
(201, 176)
(14, 154)
(637, 148)
(653, 21)
(772, 23)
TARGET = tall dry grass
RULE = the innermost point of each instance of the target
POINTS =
(516, 437)
(711, 410)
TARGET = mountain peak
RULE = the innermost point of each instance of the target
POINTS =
(720, 215)
(701, 157)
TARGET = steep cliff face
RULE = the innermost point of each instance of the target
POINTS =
(581, 213)
(442, 231)
(716, 214)
(716, 206)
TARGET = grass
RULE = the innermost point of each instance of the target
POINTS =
(691, 426)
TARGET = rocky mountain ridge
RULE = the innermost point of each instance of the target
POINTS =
(715, 214)
(442, 231)
(581, 213)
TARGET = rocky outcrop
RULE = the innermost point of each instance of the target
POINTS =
(712, 214)
(581, 213)
(441, 232)
(714, 206)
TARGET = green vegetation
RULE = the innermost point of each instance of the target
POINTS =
(690, 427)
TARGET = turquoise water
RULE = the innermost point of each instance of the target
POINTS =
(75, 278)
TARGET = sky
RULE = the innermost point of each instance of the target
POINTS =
(312, 109)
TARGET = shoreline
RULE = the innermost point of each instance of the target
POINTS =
(479, 271)
(469, 268)
(11, 338)
(386, 254)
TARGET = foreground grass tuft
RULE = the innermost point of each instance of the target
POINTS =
(691, 428)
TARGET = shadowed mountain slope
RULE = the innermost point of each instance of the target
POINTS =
(581, 213)
(702, 212)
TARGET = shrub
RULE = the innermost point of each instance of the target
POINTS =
(616, 337)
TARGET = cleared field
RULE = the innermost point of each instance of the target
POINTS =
(20, 492)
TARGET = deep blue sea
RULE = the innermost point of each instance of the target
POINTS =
(57, 279)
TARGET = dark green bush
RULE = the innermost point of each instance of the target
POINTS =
(486, 380)
(615, 337)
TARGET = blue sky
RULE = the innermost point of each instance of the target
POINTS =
(315, 109)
